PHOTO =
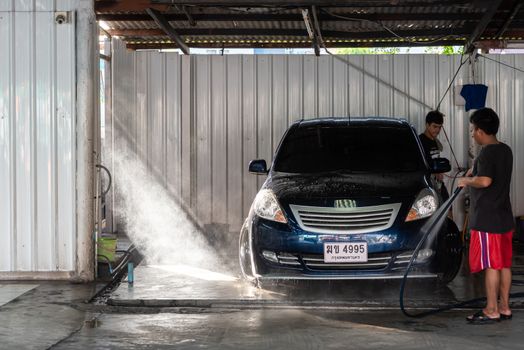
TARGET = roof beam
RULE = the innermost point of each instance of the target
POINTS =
(190, 18)
(292, 32)
(505, 26)
(482, 25)
(168, 29)
(128, 5)
(255, 17)
(136, 32)
(221, 45)
(311, 31)
(508, 34)
(294, 3)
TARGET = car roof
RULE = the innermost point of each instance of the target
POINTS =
(360, 121)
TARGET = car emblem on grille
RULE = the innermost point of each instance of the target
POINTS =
(345, 203)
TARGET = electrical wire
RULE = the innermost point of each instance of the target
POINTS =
(501, 63)
(384, 27)
(442, 99)
(451, 149)
(350, 64)
(461, 172)
(100, 166)
(452, 80)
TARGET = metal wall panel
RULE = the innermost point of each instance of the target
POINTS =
(506, 97)
(37, 5)
(174, 125)
(235, 168)
(126, 99)
(227, 110)
(6, 166)
(37, 138)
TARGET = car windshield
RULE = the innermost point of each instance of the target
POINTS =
(357, 148)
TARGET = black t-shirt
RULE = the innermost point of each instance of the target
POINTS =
(431, 147)
(491, 206)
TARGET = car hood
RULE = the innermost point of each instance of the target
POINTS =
(292, 187)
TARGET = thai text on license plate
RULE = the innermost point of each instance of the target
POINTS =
(345, 252)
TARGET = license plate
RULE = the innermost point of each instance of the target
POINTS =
(345, 252)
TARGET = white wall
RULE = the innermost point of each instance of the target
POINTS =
(198, 120)
(39, 137)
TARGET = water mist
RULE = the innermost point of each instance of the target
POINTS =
(155, 223)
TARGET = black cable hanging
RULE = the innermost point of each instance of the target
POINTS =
(440, 102)
(452, 80)
(501, 63)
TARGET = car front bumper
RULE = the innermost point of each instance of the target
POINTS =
(296, 254)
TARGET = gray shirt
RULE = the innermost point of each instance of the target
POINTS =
(491, 206)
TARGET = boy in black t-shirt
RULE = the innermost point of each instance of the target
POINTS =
(432, 146)
(490, 218)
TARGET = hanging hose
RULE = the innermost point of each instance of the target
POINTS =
(119, 271)
(109, 178)
(431, 226)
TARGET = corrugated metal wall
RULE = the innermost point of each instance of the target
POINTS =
(37, 137)
(506, 97)
(198, 120)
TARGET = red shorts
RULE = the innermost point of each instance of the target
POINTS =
(490, 250)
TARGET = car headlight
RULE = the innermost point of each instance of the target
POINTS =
(425, 205)
(267, 207)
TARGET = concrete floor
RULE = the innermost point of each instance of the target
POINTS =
(165, 285)
(188, 308)
(292, 329)
(182, 285)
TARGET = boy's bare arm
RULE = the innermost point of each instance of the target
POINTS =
(475, 181)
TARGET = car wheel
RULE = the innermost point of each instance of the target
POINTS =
(244, 256)
(449, 253)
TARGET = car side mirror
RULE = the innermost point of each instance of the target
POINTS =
(258, 166)
(439, 165)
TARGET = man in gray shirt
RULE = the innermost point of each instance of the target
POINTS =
(491, 218)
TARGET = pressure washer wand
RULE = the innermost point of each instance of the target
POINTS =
(432, 225)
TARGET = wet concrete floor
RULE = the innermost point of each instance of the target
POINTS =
(182, 285)
(54, 316)
(293, 329)
(190, 308)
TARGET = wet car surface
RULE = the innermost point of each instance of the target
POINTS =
(346, 200)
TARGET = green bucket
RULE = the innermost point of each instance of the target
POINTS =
(106, 247)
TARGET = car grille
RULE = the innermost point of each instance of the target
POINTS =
(345, 220)
(376, 261)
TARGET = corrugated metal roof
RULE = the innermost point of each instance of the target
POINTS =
(281, 24)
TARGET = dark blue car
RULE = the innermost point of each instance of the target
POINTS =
(345, 199)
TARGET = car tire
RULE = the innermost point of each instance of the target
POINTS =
(449, 253)
(244, 256)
